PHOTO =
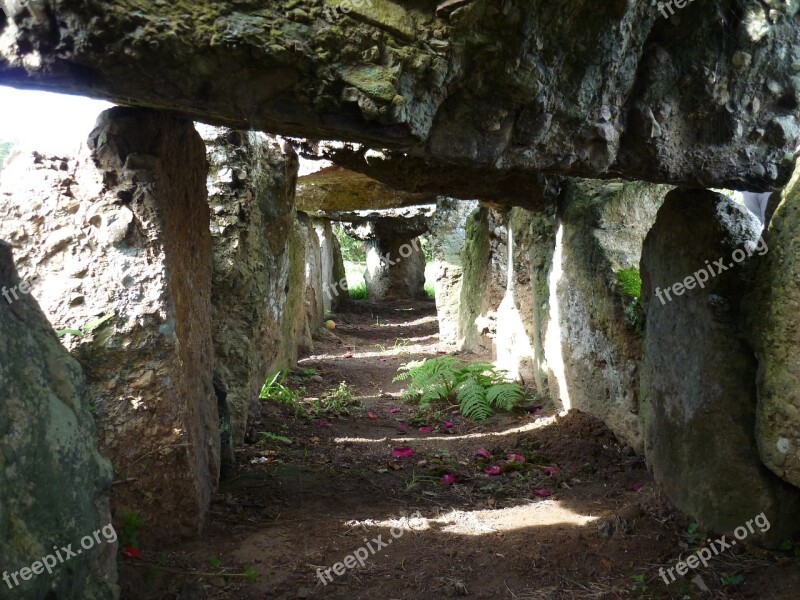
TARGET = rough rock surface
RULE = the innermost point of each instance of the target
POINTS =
(448, 235)
(774, 329)
(334, 277)
(604, 226)
(53, 482)
(251, 188)
(699, 374)
(122, 236)
(335, 189)
(395, 261)
(706, 97)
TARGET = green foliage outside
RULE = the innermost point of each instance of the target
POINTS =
(352, 249)
(358, 292)
(629, 281)
(479, 388)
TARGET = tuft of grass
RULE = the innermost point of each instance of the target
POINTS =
(358, 292)
(430, 291)
(630, 281)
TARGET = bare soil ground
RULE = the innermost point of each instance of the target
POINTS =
(295, 508)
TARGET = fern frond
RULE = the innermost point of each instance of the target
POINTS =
(472, 400)
(505, 396)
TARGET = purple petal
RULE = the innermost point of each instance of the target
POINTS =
(426, 429)
(403, 452)
(448, 479)
(493, 470)
(394, 410)
(634, 487)
(542, 492)
(447, 425)
(551, 470)
(483, 453)
(516, 458)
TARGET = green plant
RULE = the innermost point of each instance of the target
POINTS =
(352, 249)
(275, 390)
(358, 292)
(86, 328)
(340, 401)
(479, 388)
(268, 436)
(430, 291)
(131, 524)
(629, 281)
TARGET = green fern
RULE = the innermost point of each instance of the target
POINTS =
(479, 388)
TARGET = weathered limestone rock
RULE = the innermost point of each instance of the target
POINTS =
(774, 328)
(395, 261)
(334, 278)
(314, 293)
(604, 226)
(251, 187)
(121, 241)
(54, 485)
(699, 373)
(448, 235)
(531, 86)
(335, 189)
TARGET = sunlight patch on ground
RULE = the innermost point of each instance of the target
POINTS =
(543, 513)
(538, 424)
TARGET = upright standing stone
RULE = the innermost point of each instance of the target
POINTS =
(54, 485)
(775, 315)
(698, 387)
(121, 240)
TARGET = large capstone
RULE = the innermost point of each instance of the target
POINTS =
(699, 380)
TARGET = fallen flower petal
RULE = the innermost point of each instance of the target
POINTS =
(634, 487)
(551, 470)
(493, 470)
(447, 425)
(348, 355)
(131, 552)
(394, 410)
(516, 458)
(448, 479)
(426, 429)
(403, 452)
(372, 415)
(483, 453)
(402, 426)
(542, 492)
(322, 423)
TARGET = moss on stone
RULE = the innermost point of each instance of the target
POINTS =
(630, 280)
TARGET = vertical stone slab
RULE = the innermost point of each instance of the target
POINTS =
(251, 187)
(334, 293)
(774, 310)
(54, 485)
(448, 235)
(120, 238)
(698, 390)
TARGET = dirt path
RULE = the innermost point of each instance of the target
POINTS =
(577, 519)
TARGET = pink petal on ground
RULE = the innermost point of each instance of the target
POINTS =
(551, 470)
(348, 355)
(403, 452)
(426, 429)
(394, 410)
(448, 479)
(372, 415)
(493, 470)
(634, 487)
(483, 453)
(441, 352)
(542, 492)
(537, 410)
(382, 359)
(447, 425)
(516, 458)
(402, 426)
(322, 423)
